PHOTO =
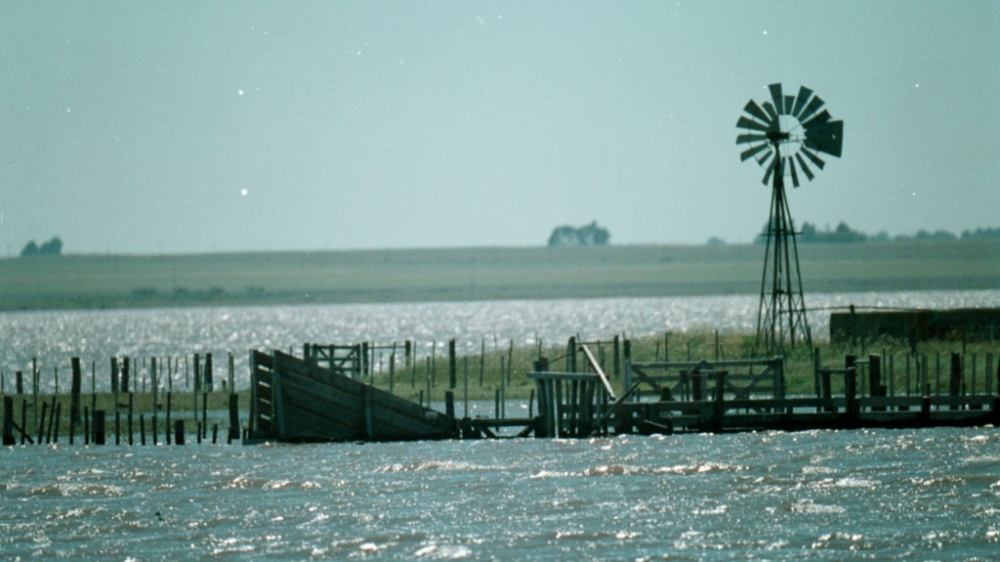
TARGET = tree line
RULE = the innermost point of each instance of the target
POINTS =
(844, 234)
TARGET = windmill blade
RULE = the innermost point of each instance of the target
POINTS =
(741, 139)
(805, 168)
(800, 101)
(789, 102)
(769, 108)
(745, 123)
(750, 152)
(762, 134)
(779, 100)
(795, 177)
(753, 109)
(827, 138)
(814, 158)
(813, 107)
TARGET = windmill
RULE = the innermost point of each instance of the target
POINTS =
(785, 135)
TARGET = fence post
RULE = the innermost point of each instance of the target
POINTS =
(955, 381)
(74, 404)
(99, 417)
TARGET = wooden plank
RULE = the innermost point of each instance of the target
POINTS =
(711, 365)
(389, 426)
(297, 410)
(306, 427)
(333, 402)
(321, 404)
(380, 398)
(288, 364)
(297, 398)
(563, 376)
(597, 369)
(505, 422)
(277, 408)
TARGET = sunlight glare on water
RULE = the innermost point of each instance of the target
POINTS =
(95, 336)
(890, 495)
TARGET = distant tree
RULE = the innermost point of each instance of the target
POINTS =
(589, 235)
(564, 236)
(936, 235)
(593, 235)
(30, 249)
(715, 241)
(844, 233)
(808, 233)
(981, 234)
(51, 248)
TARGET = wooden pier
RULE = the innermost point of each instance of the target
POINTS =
(330, 395)
(743, 395)
(723, 405)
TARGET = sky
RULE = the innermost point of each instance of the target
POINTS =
(179, 127)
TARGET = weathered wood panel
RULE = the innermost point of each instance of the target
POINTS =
(314, 403)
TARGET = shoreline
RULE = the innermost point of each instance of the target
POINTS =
(91, 282)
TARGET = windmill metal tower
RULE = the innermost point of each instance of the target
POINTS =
(781, 134)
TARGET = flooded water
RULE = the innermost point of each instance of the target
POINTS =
(885, 495)
(95, 336)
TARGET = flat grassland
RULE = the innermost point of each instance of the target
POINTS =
(95, 281)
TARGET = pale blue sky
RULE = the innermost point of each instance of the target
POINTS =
(135, 126)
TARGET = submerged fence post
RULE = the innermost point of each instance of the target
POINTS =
(234, 416)
(125, 375)
(453, 365)
(8, 421)
(74, 407)
(24, 421)
(41, 424)
(154, 376)
(816, 376)
(955, 382)
(616, 354)
(209, 384)
(875, 380)
(720, 397)
(392, 372)
(99, 417)
(571, 354)
(851, 393)
(197, 386)
(166, 431)
(449, 404)
(131, 440)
